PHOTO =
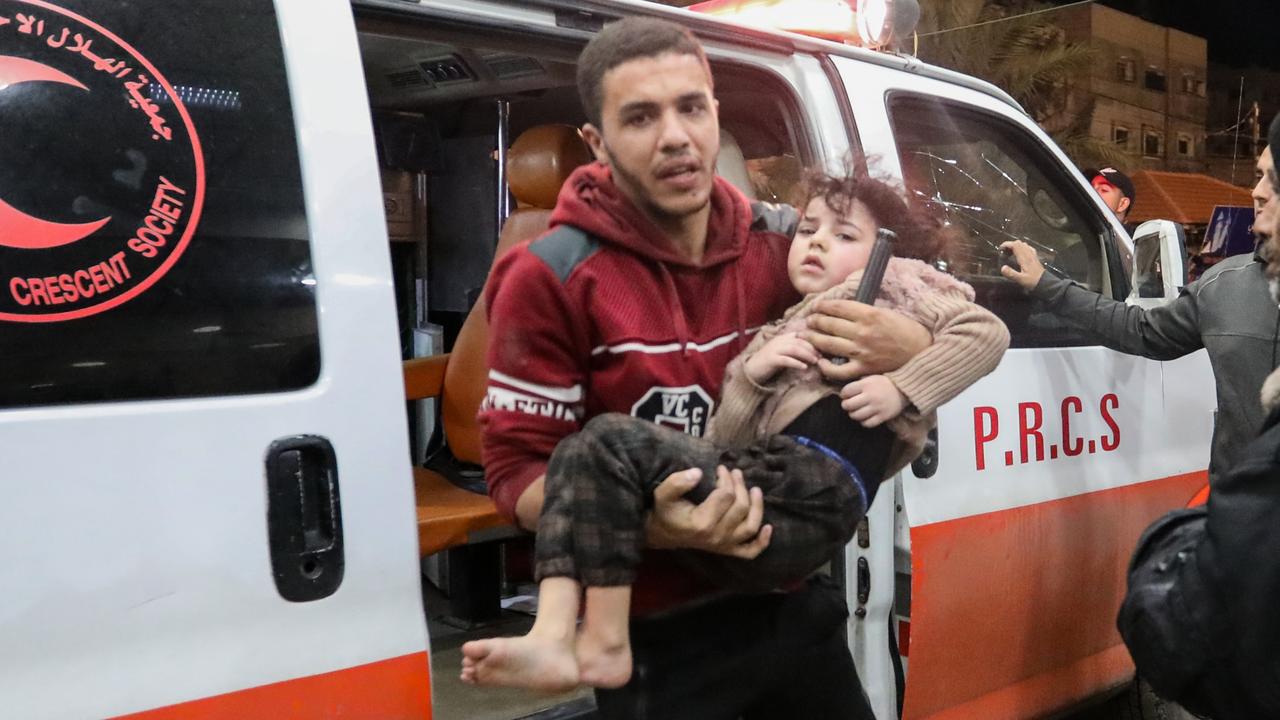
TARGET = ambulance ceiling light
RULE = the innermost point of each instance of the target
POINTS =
(880, 22)
(825, 18)
(870, 23)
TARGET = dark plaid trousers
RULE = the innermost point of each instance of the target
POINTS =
(600, 482)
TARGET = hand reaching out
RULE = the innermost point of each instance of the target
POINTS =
(1029, 270)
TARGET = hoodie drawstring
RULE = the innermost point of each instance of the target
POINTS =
(677, 311)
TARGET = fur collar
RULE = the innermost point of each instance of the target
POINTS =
(1271, 392)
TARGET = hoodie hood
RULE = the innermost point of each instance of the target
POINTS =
(592, 202)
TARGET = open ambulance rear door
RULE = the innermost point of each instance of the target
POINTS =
(1048, 469)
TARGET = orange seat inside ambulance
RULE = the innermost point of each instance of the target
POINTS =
(538, 163)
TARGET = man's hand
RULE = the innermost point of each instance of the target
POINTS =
(1030, 268)
(728, 522)
(873, 400)
(874, 340)
(786, 350)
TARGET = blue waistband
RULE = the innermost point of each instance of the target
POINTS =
(849, 468)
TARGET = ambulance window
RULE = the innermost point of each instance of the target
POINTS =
(993, 181)
(761, 126)
(153, 236)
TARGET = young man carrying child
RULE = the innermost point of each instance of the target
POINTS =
(600, 480)
(634, 302)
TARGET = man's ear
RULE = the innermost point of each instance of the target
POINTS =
(595, 141)
(1123, 205)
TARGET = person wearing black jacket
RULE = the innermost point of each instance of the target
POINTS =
(1202, 614)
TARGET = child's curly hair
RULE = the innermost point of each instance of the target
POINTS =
(920, 235)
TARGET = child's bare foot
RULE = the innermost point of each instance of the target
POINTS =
(603, 662)
(536, 662)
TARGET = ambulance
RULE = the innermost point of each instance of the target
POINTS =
(226, 224)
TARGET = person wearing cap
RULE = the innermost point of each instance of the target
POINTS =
(1116, 190)
(1199, 617)
(1226, 311)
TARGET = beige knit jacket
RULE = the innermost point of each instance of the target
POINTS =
(968, 342)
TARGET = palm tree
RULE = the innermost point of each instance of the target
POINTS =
(1025, 54)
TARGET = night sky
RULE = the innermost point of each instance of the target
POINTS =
(1240, 32)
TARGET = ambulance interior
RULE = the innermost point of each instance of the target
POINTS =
(475, 136)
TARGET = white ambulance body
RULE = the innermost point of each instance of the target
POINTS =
(208, 500)
(137, 438)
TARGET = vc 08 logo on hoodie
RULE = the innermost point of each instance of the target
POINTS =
(686, 409)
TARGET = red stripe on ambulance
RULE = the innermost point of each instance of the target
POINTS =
(394, 689)
(1032, 591)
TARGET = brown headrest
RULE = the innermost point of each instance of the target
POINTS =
(541, 159)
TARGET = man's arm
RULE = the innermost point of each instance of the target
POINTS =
(968, 342)
(529, 504)
(535, 395)
(1162, 333)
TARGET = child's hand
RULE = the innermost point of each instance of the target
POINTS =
(786, 350)
(873, 400)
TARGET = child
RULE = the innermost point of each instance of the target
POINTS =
(780, 426)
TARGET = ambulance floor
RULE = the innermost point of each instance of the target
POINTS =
(452, 700)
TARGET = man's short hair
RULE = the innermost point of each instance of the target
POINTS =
(623, 41)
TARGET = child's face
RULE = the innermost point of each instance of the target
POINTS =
(828, 247)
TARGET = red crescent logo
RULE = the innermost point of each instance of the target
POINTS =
(18, 229)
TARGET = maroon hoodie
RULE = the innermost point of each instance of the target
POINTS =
(601, 314)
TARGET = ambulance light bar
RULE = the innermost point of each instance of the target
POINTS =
(869, 23)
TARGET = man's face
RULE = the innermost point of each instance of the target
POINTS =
(1264, 196)
(1112, 196)
(660, 134)
(1266, 221)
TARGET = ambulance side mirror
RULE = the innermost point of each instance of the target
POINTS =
(1159, 262)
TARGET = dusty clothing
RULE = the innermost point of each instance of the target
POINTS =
(968, 342)
(1227, 311)
(600, 486)
(599, 316)
(1200, 614)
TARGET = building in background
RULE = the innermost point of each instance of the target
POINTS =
(1191, 200)
(1148, 86)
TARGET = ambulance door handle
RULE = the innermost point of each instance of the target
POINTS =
(304, 518)
(864, 581)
